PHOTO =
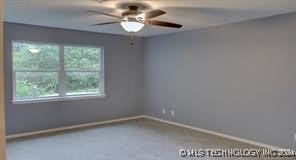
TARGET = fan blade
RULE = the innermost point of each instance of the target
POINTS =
(164, 24)
(105, 14)
(152, 14)
(100, 24)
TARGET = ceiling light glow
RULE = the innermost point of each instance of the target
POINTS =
(132, 26)
(34, 50)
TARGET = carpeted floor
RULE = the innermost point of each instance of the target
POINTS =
(140, 139)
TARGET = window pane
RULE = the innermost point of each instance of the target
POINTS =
(35, 56)
(36, 84)
(82, 83)
(82, 57)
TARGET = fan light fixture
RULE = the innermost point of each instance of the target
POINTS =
(132, 20)
(132, 26)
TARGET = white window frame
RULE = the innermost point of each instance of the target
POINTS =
(62, 96)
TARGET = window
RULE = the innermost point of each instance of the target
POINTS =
(56, 71)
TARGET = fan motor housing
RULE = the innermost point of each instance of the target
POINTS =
(133, 11)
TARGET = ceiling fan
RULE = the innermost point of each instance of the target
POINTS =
(134, 20)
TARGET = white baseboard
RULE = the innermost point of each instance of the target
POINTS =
(262, 145)
(148, 117)
(71, 127)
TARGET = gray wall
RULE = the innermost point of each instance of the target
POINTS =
(123, 80)
(238, 79)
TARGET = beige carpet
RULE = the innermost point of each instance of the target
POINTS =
(140, 139)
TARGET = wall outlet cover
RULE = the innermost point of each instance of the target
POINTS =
(163, 111)
(172, 112)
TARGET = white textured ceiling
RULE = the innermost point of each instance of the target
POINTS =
(192, 14)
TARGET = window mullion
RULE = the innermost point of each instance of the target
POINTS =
(14, 84)
(62, 73)
(102, 73)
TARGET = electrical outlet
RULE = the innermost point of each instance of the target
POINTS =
(172, 112)
(295, 137)
(163, 111)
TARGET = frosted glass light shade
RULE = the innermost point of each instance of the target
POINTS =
(132, 26)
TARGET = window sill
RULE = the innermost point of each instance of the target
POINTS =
(56, 99)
